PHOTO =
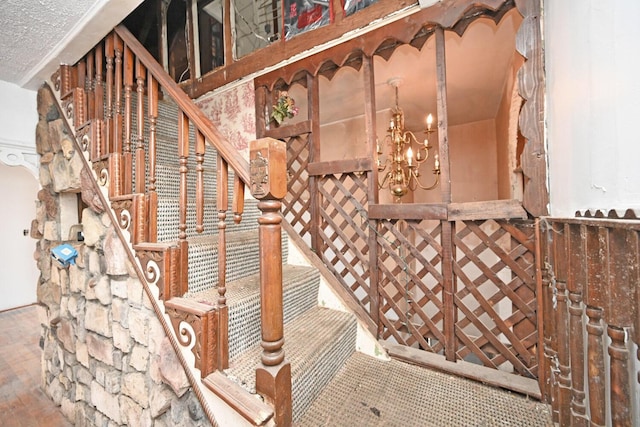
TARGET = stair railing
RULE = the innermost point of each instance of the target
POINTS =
(101, 108)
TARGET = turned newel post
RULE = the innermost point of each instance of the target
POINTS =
(268, 163)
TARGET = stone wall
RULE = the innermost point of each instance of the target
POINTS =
(106, 358)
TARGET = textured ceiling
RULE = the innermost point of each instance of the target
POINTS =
(37, 35)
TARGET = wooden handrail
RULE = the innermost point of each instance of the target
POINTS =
(195, 115)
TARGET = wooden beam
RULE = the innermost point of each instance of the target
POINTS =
(464, 369)
(420, 211)
(340, 166)
(471, 211)
(288, 131)
(406, 30)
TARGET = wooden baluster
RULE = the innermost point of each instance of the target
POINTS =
(200, 148)
(183, 245)
(597, 268)
(127, 160)
(98, 89)
(89, 85)
(560, 267)
(152, 100)
(141, 73)
(619, 317)
(222, 205)
(109, 58)
(117, 127)
(636, 307)
(80, 100)
(268, 160)
(549, 324)
(576, 284)
(238, 199)
(99, 86)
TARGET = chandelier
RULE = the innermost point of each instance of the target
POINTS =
(405, 155)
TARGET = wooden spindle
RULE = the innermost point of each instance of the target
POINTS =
(619, 317)
(548, 325)
(183, 245)
(200, 148)
(109, 53)
(560, 267)
(575, 285)
(152, 100)
(89, 85)
(222, 205)
(99, 86)
(597, 268)
(268, 160)
(635, 278)
(127, 161)
(238, 199)
(117, 127)
(141, 73)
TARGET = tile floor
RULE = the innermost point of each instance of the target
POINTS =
(22, 401)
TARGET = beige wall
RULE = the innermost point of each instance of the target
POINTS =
(474, 177)
(474, 173)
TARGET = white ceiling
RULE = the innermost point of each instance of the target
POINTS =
(38, 35)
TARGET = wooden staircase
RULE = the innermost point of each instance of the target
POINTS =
(138, 131)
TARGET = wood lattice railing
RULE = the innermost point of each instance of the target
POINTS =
(591, 272)
(112, 98)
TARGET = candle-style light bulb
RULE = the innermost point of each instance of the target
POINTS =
(429, 121)
(436, 162)
(409, 156)
(391, 124)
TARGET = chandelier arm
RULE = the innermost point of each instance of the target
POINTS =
(430, 187)
(386, 177)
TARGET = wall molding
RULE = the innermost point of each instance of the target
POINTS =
(17, 153)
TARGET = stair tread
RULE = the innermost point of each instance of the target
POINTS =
(306, 340)
(248, 287)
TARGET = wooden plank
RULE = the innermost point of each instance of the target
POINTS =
(443, 120)
(288, 131)
(437, 211)
(368, 76)
(464, 369)
(313, 145)
(244, 403)
(489, 209)
(532, 88)
(337, 167)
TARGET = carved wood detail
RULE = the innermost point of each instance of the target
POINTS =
(195, 326)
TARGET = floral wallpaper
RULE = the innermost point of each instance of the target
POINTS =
(232, 111)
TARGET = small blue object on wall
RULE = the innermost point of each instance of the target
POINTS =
(64, 255)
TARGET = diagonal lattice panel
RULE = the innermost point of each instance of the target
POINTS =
(344, 231)
(411, 283)
(495, 296)
(297, 201)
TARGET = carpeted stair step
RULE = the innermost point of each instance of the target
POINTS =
(168, 219)
(317, 344)
(243, 258)
(300, 293)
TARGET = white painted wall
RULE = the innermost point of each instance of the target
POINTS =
(593, 104)
(18, 115)
(18, 192)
